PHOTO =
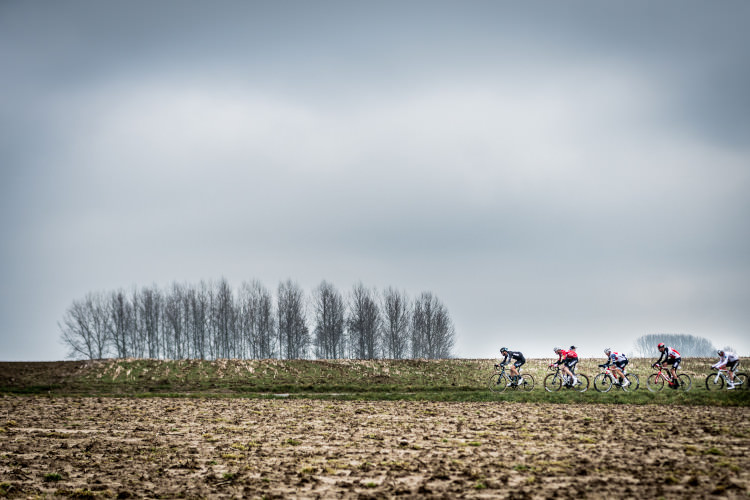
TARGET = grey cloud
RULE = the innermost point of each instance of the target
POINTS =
(550, 170)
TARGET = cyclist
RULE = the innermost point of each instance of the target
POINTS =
(671, 357)
(729, 360)
(568, 360)
(619, 360)
(515, 367)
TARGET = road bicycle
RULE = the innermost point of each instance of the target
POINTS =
(499, 381)
(557, 380)
(655, 381)
(716, 381)
(605, 380)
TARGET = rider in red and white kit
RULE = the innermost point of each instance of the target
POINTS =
(619, 360)
(671, 357)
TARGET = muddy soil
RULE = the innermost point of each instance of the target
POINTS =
(110, 447)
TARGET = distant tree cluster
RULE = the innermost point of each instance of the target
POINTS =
(212, 321)
(687, 345)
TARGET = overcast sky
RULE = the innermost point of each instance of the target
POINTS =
(555, 172)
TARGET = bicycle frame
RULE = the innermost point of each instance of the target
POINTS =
(722, 373)
(559, 373)
(666, 376)
(609, 371)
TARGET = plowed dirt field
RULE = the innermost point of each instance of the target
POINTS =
(253, 448)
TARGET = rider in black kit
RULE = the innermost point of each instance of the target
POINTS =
(510, 356)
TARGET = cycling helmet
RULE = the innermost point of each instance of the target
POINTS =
(720, 352)
(573, 347)
(503, 349)
(661, 344)
(557, 349)
(607, 350)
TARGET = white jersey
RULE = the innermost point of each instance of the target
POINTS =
(617, 357)
(728, 357)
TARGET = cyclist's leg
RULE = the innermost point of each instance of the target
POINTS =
(675, 367)
(569, 369)
(731, 367)
(573, 371)
(621, 369)
(566, 371)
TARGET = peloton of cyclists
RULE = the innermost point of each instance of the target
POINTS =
(729, 360)
(671, 357)
(619, 361)
(568, 359)
(515, 367)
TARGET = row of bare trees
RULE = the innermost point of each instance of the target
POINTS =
(687, 345)
(211, 321)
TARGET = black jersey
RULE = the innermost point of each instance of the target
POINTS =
(511, 355)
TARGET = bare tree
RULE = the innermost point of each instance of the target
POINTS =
(294, 336)
(223, 315)
(396, 318)
(149, 320)
(433, 334)
(199, 312)
(137, 337)
(363, 324)
(245, 321)
(187, 323)
(264, 346)
(329, 309)
(86, 328)
(173, 327)
(121, 323)
(687, 345)
(256, 321)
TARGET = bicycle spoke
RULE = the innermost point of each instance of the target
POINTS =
(603, 382)
(655, 382)
(552, 382)
(498, 382)
(686, 383)
(740, 382)
(527, 382)
(634, 382)
(584, 383)
(714, 382)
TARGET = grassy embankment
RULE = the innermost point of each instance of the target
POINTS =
(438, 380)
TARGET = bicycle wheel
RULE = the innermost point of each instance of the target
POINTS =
(552, 382)
(584, 383)
(686, 383)
(740, 382)
(602, 382)
(498, 382)
(526, 382)
(635, 383)
(714, 382)
(655, 382)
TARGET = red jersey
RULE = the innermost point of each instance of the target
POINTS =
(567, 355)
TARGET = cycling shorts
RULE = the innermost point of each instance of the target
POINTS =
(621, 364)
(518, 364)
(732, 365)
(675, 362)
(570, 363)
